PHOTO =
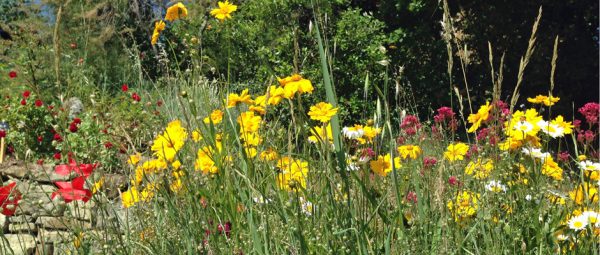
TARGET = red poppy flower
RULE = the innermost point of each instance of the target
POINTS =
(2, 133)
(9, 198)
(73, 127)
(38, 103)
(26, 93)
(124, 88)
(23, 102)
(12, 74)
(81, 169)
(136, 97)
(73, 190)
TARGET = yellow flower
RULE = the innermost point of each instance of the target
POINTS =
(293, 84)
(224, 11)
(567, 126)
(269, 154)
(456, 151)
(479, 169)
(196, 136)
(482, 115)
(97, 185)
(275, 95)
(159, 26)
(176, 11)
(322, 112)
(369, 133)
(584, 193)
(216, 117)
(409, 151)
(251, 139)
(551, 168)
(205, 159)
(167, 144)
(130, 197)
(234, 99)
(465, 205)
(134, 159)
(249, 123)
(318, 134)
(541, 99)
(383, 165)
(293, 173)
(260, 102)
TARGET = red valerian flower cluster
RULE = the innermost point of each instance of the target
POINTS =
(73, 127)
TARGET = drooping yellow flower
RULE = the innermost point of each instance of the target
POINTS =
(130, 197)
(176, 11)
(456, 151)
(318, 134)
(159, 26)
(551, 168)
(584, 193)
(541, 99)
(215, 116)
(482, 115)
(249, 122)
(464, 206)
(224, 11)
(322, 112)
(275, 95)
(383, 164)
(260, 102)
(293, 173)
(234, 99)
(409, 151)
(167, 144)
(480, 169)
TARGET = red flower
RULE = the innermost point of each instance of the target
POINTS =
(73, 127)
(2, 133)
(136, 97)
(82, 169)
(40, 162)
(38, 103)
(40, 138)
(26, 93)
(73, 45)
(73, 190)
(159, 103)
(108, 145)
(9, 198)
(57, 137)
(23, 102)
(77, 120)
(124, 88)
(57, 156)
(453, 180)
(12, 74)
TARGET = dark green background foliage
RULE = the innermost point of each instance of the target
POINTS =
(276, 38)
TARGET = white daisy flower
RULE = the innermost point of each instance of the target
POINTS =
(536, 153)
(523, 126)
(578, 222)
(353, 132)
(589, 165)
(495, 186)
(307, 206)
(551, 129)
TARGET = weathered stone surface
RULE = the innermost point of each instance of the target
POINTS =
(54, 236)
(20, 244)
(40, 173)
(113, 183)
(21, 219)
(80, 210)
(3, 222)
(22, 228)
(37, 200)
(62, 223)
(64, 248)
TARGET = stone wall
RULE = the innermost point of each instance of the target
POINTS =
(42, 225)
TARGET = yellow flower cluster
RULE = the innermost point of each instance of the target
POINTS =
(383, 164)
(224, 11)
(545, 100)
(464, 205)
(322, 112)
(480, 169)
(175, 12)
(409, 151)
(456, 151)
(482, 114)
(292, 173)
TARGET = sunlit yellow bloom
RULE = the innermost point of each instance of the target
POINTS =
(130, 197)
(567, 126)
(383, 164)
(295, 83)
(196, 136)
(249, 122)
(551, 168)
(251, 152)
(251, 139)
(318, 134)
(556, 198)
(369, 133)
(134, 159)
(465, 205)
(293, 173)
(480, 169)
(260, 102)
(269, 154)
(167, 144)
(159, 26)
(322, 112)
(176, 11)
(234, 99)
(541, 99)
(276, 94)
(176, 165)
(215, 116)
(456, 151)
(482, 115)
(224, 11)
(205, 159)
(154, 165)
(409, 151)
(584, 193)
(98, 185)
